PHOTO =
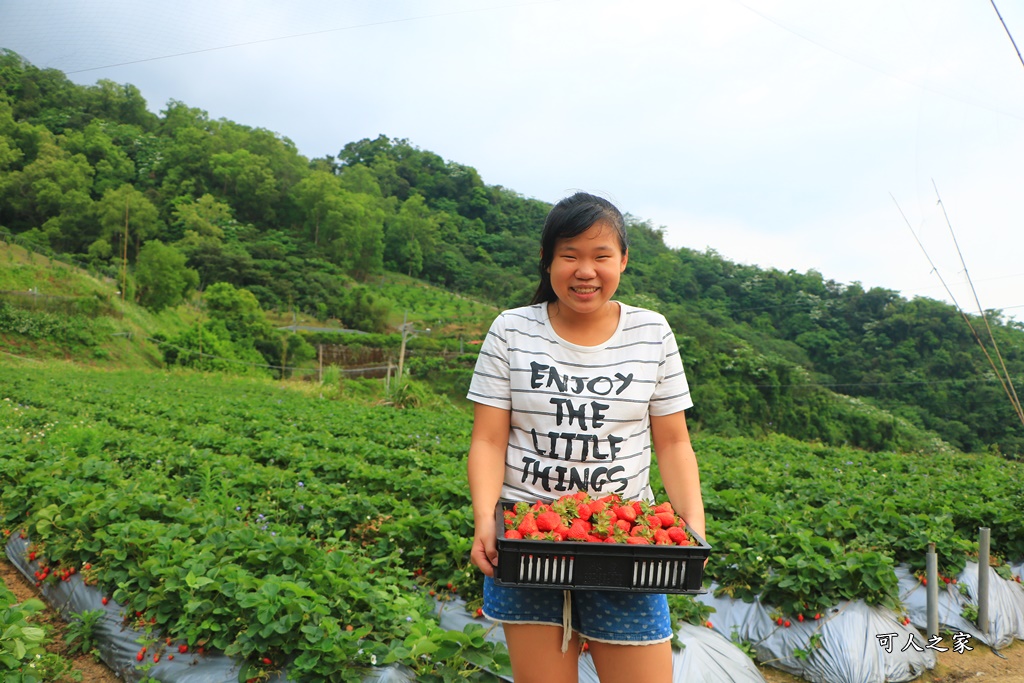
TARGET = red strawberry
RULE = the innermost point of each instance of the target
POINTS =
(625, 525)
(527, 526)
(654, 521)
(661, 537)
(105, 600)
(578, 531)
(156, 658)
(667, 518)
(678, 535)
(266, 661)
(513, 534)
(626, 512)
(183, 649)
(583, 511)
(548, 521)
(141, 655)
(637, 540)
(800, 617)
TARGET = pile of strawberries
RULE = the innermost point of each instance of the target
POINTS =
(579, 518)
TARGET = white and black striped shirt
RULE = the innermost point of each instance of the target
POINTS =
(579, 414)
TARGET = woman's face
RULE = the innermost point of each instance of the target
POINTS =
(585, 269)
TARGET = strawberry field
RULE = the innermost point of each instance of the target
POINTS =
(247, 517)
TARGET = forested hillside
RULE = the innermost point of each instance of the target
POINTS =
(190, 205)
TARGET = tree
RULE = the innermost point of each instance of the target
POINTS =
(112, 165)
(203, 218)
(239, 311)
(409, 235)
(247, 179)
(315, 195)
(51, 193)
(126, 210)
(162, 277)
(355, 226)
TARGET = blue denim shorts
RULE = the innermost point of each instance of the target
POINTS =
(619, 617)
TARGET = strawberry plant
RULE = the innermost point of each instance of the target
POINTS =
(80, 635)
(207, 507)
(23, 655)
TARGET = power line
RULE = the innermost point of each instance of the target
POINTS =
(1009, 35)
(314, 33)
(881, 71)
(1009, 392)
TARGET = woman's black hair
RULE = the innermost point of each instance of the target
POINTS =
(567, 219)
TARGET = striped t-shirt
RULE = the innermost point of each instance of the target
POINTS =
(579, 414)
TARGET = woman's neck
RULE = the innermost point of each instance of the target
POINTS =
(590, 329)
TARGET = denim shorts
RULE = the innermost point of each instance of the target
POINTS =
(619, 617)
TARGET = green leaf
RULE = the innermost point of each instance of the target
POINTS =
(193, 581)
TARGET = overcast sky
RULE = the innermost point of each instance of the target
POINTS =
(793, 134)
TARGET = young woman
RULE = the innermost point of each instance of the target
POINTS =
(570, 392)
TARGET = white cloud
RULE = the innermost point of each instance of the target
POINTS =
(772, 131)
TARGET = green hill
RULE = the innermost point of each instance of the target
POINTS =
(228, 234)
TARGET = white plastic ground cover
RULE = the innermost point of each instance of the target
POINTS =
(1005, 608)
(706, 657)
(856, 639)
(849, 652)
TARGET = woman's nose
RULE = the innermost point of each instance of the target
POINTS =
(585, 270)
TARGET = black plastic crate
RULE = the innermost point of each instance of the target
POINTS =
(604, 566)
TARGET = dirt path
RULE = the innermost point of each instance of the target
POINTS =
(981, 665)
(92, 671)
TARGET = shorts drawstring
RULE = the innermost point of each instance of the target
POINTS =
(566, 620)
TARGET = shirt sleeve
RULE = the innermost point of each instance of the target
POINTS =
(672, 392)
(490, 384)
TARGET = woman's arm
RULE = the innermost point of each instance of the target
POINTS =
(486, 470)
(677, 464)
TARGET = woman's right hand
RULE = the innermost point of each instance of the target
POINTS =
(484, 553)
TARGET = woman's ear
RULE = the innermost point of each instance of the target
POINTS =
(625, 257)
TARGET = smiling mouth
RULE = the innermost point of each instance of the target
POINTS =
(584, 290)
